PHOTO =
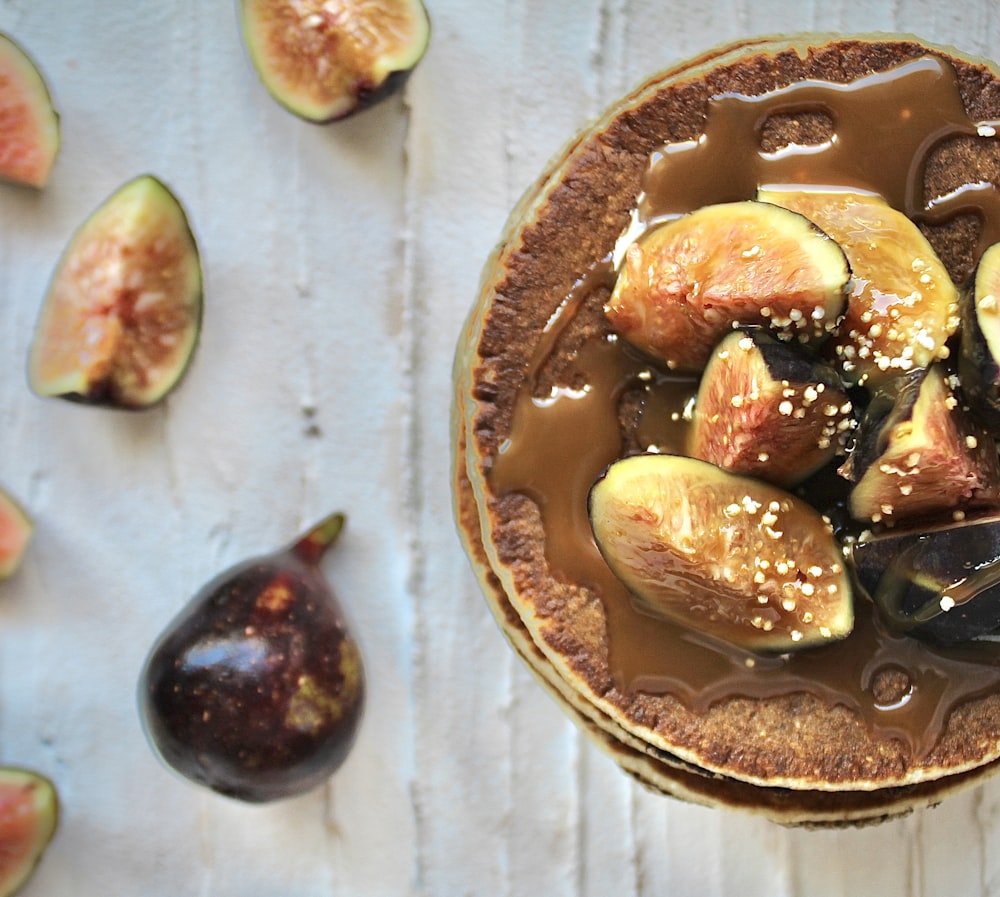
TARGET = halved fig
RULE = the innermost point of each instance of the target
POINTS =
(687, 282)
(903, 306)
(768, 409)
(325, 59)
(15, 534)
(979, 363)
(919, 456)
(940, 583)
(29, 813)
(29, 123)
(121, 318)
(729, 556)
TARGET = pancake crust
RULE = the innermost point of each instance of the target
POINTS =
(570, 218)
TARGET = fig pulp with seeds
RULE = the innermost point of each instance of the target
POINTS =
(687, 282)
(122, 315)
(29, 138)
(727, 555)
(256, 688)
(767, 409)
(324, 61)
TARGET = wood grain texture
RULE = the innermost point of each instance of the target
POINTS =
(340, 263)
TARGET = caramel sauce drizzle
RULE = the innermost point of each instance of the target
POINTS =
(884, 127)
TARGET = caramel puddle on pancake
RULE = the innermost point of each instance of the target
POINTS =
(875, 122)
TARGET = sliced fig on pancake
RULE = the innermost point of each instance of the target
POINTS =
(729, 556)
(940, 583)
(919, 455)
(766, 408)
(29, 123)
(686, 283)
(325, 59)
(979, 363)
(122, 315)
(903, 306)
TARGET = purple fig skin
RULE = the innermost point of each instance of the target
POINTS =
(256, 689)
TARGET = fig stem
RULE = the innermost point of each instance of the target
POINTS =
(313, 545)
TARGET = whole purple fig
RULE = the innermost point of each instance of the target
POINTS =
(256, 688)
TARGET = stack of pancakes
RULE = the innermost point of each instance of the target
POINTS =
(805, 756)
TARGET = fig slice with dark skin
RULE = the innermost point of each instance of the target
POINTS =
(979, 362)
(920, 456)
(29, 815)
(766, 408)
(29, 123)
(729, 556)
(16, 528)
(903, 306)
(323, 60)
(939, 583)
(122, 315)
(256, 688)
(683, 285)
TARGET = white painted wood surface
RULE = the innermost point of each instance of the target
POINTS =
(340, 263)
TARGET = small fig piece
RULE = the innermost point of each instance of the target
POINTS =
(919, 456)
(687, 282)
(15, 534)
(121, 318)
(29, 815)
(726, 555)
(940, 583)
(979, 362)
(29, 135)
(767, 409)
(903, 306)
(256, 688)
(324, 61)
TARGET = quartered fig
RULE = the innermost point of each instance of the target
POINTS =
(121, 318)
(979, 364)
(729, 556)
(767, 409)
(325, 59)
(256, 688)
(686, 283)
(16, 528)
(903, 306)
(941, 583)
(919, 455)
(29, 815)
(29, 133)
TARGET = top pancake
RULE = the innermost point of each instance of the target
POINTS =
(572, 219)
